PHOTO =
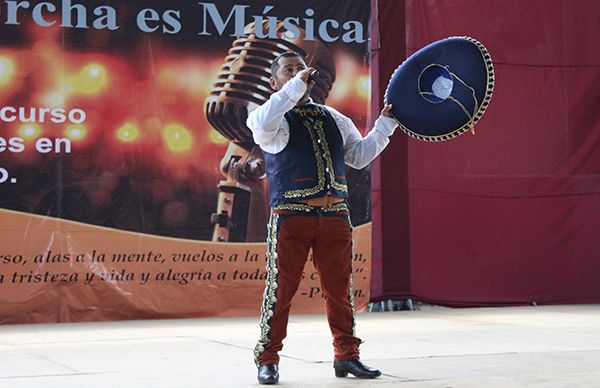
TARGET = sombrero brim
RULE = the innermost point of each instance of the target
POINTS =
(472, 69)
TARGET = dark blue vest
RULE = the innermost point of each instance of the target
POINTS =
(312, 164)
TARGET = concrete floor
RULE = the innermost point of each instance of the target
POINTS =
(555, 346)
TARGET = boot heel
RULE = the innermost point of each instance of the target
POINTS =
(341, 373)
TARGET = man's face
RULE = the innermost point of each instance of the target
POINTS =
(288, 68)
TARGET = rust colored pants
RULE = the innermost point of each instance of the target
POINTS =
(291, 235)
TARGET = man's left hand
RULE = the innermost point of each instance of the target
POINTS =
(387, 111)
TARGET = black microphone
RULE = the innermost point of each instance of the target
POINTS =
(314, 75)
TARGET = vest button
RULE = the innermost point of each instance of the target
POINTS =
(326, 169)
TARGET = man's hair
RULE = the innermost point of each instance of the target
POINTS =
(286, 54)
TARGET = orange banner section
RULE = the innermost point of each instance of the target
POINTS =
(52, 270)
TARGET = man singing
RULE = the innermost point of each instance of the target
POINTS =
(306, 147)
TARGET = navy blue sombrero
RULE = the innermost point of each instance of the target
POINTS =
(442, 90)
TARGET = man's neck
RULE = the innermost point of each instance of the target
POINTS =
(304, 101)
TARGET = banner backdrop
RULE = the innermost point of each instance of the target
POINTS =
(129, 184)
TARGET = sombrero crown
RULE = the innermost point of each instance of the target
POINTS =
(442, 90)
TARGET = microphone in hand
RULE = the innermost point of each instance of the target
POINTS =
(313, 76)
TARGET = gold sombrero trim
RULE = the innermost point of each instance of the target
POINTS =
(482, 107)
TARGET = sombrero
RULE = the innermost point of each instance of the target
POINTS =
(442, 90)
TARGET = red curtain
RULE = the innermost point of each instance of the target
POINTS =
(512, 214)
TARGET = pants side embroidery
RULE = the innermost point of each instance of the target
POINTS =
(270, 293)
(351, 286)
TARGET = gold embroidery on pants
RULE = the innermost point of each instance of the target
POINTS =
(270, 293)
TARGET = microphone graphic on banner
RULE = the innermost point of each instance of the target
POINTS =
(241, 87)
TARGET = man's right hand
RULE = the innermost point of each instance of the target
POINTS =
(304, 74)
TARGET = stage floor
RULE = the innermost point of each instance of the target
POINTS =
(550, 346)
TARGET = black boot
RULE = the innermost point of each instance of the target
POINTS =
(268, 374)
(355, 367)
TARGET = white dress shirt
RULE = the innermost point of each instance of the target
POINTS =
(271, 130)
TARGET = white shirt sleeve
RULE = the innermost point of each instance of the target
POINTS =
(359, 151)
(271, 131)
(269, 128)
